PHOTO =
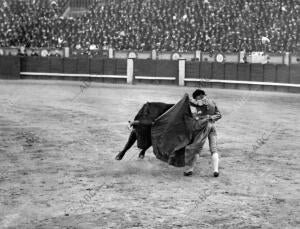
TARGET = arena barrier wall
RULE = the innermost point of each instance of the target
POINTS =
(230, 74)
(56, 64)
(75, 68)
(206, 70)
(202, 71)
(243, 75)
(218, 72)
(120, 67)
(97, 66)
(156, 71)
(256, 74)
(282, 73)
(192, 69)
(206, 74)
(9, 67)
(267, 77)
(70, 66)
(295, 77)
(83, 65)
(144, 67)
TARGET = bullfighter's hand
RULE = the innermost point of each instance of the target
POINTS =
(204, 101)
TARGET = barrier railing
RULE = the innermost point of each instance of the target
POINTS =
(180, 72)
(105, 70)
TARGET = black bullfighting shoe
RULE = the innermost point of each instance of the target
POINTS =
(216, 174)
(189, 173)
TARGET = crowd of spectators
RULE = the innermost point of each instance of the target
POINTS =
(165, 25)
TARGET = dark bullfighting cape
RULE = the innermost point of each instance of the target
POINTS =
(172, 131)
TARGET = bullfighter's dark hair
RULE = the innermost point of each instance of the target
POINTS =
(198, 92)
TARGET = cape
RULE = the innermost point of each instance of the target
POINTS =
(172, 132)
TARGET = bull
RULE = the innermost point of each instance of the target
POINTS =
(141, 127)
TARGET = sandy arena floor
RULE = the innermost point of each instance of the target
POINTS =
(57, 149)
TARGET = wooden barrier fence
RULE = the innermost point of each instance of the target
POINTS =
(267, 77)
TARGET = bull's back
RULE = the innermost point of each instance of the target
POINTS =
(151, 111)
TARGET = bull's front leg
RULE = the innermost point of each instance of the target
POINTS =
(142, 153)
(131, 140)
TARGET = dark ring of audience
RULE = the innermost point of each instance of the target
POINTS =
(165, 25)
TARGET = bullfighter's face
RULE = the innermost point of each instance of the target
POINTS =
(200, 97)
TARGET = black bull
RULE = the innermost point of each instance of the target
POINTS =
(141, 131)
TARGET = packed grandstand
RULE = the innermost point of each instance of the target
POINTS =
(165, 25)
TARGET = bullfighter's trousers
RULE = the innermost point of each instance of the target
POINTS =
(198, 140)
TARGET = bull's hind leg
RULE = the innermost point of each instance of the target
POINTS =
(142, 153)
(130, 142)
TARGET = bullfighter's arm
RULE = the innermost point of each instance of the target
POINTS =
(216, 116)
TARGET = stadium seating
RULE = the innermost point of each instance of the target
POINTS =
(164, 25)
